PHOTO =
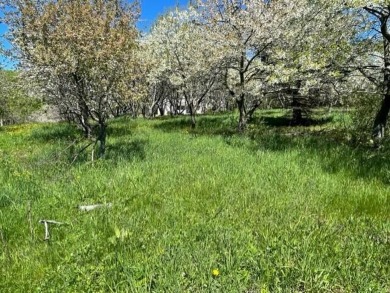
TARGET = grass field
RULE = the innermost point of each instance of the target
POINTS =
(279, 209)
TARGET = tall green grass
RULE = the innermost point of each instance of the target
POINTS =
(279, 209)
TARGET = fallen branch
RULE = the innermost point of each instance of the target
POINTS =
(87, 208)
(47, 223)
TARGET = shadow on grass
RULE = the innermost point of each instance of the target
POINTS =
(331, 149)
(58, 131)
(69, 132)
(334, 155)
(75, 149)
(287, 121)
(268, 132)
(206, 125)
(115, 152)
(127, 150)
(118, 131)
(119, 128)
(226, 124)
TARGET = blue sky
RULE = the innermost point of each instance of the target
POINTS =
(151, 9)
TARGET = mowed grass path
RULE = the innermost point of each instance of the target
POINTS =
(271, 211)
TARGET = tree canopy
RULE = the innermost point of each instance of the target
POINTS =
(89, 59)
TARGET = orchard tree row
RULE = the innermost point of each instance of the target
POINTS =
(88, 58)
(15, 103)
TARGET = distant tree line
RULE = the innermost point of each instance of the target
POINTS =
(16, 104)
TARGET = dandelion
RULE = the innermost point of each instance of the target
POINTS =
(215, 272)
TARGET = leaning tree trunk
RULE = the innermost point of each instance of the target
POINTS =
(378, 131)
(255, 105)
(381, 118)
(84, 118)
(84, 115)
(242, 120)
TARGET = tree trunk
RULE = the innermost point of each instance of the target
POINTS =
(84, 111)
(192, 114)
(1, 122)
(253, 109)
(241, 100)
(297, 118)
(242, 120)
(297, 104)
(193, 121)
(162, 111)
(380, 121)
(378, 131)
(144, 112)
(102, 138)
(84, 117)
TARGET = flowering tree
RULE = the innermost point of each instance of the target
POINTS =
(15, 103)
(80, 53)
(314, 56)
(187, 56)
(248, 29)
(376, 67)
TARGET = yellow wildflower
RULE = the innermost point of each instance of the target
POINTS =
(215, 272)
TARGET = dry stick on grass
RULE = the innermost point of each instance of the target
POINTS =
(56, 155)
(93, 152)
(29, 219)
(47, 223)
(75, 142)
(87, 208)
(83, 149)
